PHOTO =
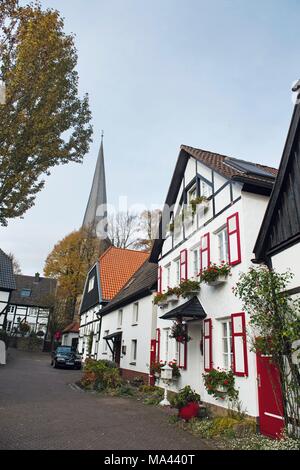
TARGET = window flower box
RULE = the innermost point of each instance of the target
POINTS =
(173, 299)
(215, 274)
(217, 282)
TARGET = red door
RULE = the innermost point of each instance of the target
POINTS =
(271, 420)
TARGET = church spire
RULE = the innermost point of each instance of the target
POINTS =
(96, 210)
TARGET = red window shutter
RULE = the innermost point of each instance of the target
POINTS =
(157, 345)
(239, 344)
(183, 265)
(159, 280)
(234, 240)
(205, 251)
(182, 352)
(208, 363)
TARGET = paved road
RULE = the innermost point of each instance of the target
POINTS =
(40, 410)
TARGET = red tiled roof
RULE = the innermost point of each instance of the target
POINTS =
(218, 163)
(72, 328)
(117, 266)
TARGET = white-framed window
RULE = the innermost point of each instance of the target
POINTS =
(205, 189)
(120, 318)
(8, 326)
(105, 347)
(177, 268)
(11, 309)
(135, 314)
(168, 270)
(91, 284)
(192, 194)
(196, 261)
(133, 350)
(226, 326)
(223, 244)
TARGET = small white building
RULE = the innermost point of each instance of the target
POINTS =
(223, 228)
(7, 285)
(70, 335)
(128, 323)
(104, 280)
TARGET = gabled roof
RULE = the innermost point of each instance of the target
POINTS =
(226, 166)
(72, 328)
(138, 286)
(40, 288)
(281, 224)
(7, 279)
(113, 270)
(117, 265)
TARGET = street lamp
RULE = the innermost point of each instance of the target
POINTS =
(166, 376)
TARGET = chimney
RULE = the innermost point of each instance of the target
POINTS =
(37, 277)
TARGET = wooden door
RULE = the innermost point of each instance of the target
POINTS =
(117, 350)
(270, 402)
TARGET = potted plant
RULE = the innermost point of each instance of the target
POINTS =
(199, 201)
(173, 294)
(220, 384)
(215, 274)
(175, 369)
(155, 368)
(187, 401)
(189, 288)
(161, 299)
(179, 333)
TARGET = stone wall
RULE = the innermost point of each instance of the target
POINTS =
(30, 344)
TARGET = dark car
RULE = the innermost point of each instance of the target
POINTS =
(65, 356)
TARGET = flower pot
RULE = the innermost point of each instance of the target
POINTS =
(220, 280)
(189, 411)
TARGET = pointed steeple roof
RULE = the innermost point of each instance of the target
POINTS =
(96, 209)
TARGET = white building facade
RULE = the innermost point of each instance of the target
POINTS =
(128, 323)
(224, 228)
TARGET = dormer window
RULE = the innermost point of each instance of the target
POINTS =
(25, 292)
(91, 284)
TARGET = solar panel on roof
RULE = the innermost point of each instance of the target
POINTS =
(248, 167)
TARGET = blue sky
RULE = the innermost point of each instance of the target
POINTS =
(212, 74)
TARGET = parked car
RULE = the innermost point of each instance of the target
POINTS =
(65, 356)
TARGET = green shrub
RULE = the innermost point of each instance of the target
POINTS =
(185, 396)
(137, 381)
(259, 442)
(101, 375)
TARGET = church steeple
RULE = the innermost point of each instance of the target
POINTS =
(96, 210)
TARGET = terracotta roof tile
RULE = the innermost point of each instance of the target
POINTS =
(72, 328)
(117, 266)
(218, 163)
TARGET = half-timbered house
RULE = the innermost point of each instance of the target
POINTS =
(228, 198)
(31, 302)
(104, 280)
(7, 285)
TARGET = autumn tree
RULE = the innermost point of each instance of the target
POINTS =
(43, 122)
(123, 229)
(15, 263)
(69, 262)
(148, 223)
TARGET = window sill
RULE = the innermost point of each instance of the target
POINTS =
(134, 324)
(119, 328)
(132, 363)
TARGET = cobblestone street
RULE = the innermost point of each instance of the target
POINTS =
(39, 409)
